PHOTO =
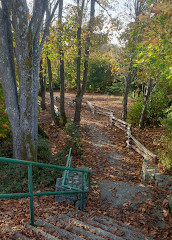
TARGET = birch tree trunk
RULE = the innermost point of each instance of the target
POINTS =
(22, 107)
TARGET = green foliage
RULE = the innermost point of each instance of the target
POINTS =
(135, 111)
(4, 122)
(165, 153)
(64, 38)
(44, 152)
(116, 88)
(14, 178)
(41, 132)
(100, 74)
(154, 111)
(74, 140)
(6, 149)
(5, 130)
(168, 123)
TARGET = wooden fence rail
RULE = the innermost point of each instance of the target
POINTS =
(132, 142)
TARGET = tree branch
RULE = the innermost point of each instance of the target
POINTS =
(37, 18)
(47, 24)
(103, 8)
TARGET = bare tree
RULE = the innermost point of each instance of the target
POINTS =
(22, 107)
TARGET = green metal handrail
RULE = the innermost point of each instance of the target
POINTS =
(31, 194)
(66, 172)
(68, 164)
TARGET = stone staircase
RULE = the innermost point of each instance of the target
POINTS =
(78, 226)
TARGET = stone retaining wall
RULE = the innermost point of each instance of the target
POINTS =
(74, 179)
(151, 175)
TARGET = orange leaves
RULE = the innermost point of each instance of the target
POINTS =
(166, 213)
(69, 226)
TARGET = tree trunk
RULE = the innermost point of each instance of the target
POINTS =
(62, 87)
(80, 16)
(43, 86)
(78, 98)
(138, 8)
(126, 92)
(51, 90)
(22, 110)
(78, 101)
(142, 118)
(80, 92)
(8, 80)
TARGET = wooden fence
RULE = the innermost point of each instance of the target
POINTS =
(132, 142)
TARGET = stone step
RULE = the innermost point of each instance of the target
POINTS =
(75, 228)
(68, 227)
(110, 221)
(111, 225)
(129, 234)
(115, 229)
(44, 234)
(16, 235)
(100, 232)
(62, 232)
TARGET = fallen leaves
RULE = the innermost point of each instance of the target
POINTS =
(127, 168)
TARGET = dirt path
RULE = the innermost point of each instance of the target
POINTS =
(117, 190)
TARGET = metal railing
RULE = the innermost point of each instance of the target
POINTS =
(66, 173)
(68, 164)
(32, 194)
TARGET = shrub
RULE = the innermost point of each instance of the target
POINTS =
(14, 179)
(44, 152)
(115, 88)
(74, 140)
(135, 112)
(156, 108)
(154, 111)
(5, 125)
(6, 148)
(165, 154)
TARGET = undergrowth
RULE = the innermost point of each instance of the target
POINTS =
(165, 153)
(14, 178)
(74, 140)
(154, 110)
